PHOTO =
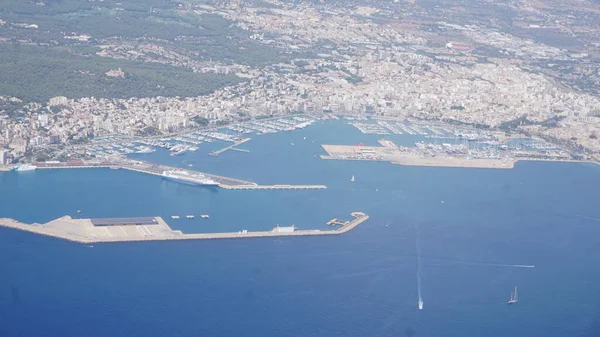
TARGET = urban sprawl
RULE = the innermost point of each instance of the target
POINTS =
(361, 62)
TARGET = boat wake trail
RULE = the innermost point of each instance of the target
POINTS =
(476, 262)
(496, 264)
(511, 265)
(420, 298)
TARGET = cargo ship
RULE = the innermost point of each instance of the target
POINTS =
(25, 168)
(185, 177)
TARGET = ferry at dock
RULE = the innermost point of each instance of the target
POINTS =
(25, 168)
(186, 177)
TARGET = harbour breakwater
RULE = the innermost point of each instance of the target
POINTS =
(156, 169)
(408, 156)
(89, 231)
(411, 157)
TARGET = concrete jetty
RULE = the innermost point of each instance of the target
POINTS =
(90, 231)
(275, 187)
(405, 157)
(232, 146)
(336, 222)
(157, 170)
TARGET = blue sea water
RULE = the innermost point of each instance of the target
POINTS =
(362, 283)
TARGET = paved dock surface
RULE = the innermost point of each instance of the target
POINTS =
(84, 231)
(157, 169)
(395, 155)
(274, 187)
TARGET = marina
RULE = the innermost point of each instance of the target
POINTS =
(467, 143)
(394, 197)
(304, 168)
(191, 140)
(370, 128)
(105, 230)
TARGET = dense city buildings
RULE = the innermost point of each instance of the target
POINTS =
(534, 73)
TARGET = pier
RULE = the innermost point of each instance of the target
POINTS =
(108, 230)
(230, 147)
(408, 156)
(336, 222)
(274, 187)
(157, 170)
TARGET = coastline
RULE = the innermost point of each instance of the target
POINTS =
(464, 163)
(84, 231)
(332, 154)
(559, 160)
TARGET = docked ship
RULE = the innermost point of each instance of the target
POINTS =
(186, 177)
(25, 168)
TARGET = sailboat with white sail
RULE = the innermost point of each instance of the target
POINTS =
(514, 297)
(352, 179)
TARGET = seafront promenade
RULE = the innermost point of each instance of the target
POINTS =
(88, 231)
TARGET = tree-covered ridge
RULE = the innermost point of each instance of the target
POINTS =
(42, 57)
(35, 73)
